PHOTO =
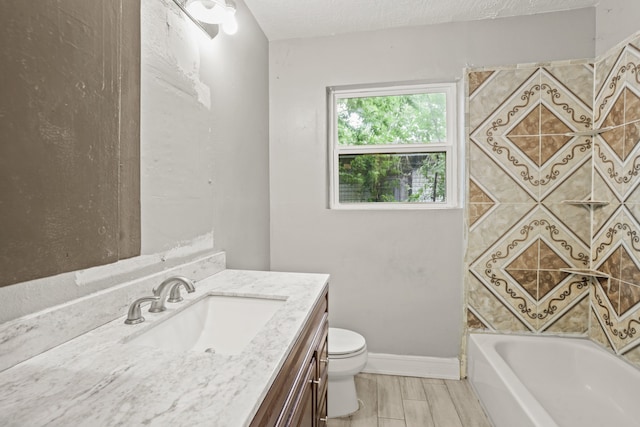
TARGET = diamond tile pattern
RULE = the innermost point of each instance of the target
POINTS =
(536, 137)
(531, 138)
(479, 202)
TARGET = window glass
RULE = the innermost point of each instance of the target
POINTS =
(414, 177)
(401, 119)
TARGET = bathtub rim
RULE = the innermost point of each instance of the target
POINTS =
(520, 397)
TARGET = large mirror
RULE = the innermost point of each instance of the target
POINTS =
(70, 126)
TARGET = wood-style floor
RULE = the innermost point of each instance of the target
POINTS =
(391, 401)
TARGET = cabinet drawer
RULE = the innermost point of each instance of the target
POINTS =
(300, 412)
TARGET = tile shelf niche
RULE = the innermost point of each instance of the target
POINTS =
(589, 202)
(592, 132)
(593, 203)
(586, 272)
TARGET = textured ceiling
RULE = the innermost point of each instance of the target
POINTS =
(285, 19)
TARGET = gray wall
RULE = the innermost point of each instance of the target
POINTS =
(396, 275)
(615, 21)
(204, 151)
(204, 136)
(241, 156)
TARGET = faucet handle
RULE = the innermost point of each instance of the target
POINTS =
(163, 290)
(174, 295)
(135, 313)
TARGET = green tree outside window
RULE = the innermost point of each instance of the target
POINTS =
(392, 120)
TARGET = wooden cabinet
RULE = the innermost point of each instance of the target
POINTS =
(298, 396)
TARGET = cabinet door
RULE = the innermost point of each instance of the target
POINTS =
(322, 413)
(323, 359)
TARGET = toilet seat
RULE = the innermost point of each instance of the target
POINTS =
(344, 343)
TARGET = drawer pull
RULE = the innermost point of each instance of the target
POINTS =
(324, 360)
(318, 381)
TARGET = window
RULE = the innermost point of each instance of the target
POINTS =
(392, 146)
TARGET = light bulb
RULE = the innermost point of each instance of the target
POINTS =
(230, 25)
(209, 11)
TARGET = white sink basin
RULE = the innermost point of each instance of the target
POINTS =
(215, 324)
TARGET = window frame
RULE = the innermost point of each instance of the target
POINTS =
(450, 147)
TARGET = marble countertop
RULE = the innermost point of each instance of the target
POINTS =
(100, 379)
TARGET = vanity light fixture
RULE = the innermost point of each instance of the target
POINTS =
(210, 15)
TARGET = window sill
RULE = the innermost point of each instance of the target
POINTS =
(392, 207)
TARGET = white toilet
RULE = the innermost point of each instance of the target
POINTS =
(347, 357)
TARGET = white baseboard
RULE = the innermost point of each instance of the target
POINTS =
(447, 368)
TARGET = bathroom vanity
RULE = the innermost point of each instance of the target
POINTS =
(111, 376)
(298, 396)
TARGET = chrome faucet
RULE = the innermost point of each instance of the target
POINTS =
(172, 284)
(135, 315)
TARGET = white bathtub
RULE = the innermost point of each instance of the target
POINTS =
(539, 381)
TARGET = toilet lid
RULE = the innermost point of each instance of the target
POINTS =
(343, 341)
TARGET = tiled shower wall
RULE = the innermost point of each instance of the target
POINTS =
(532, 157)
